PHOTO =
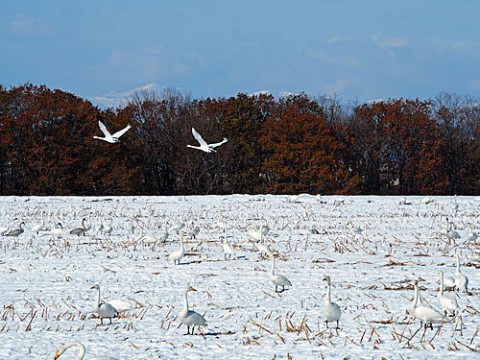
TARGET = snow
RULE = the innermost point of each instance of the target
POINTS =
(372, 247)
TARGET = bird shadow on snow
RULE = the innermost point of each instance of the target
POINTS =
(215, 333)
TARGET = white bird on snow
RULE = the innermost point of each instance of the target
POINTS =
(81, 351)
(461, 280)
(208, 148)
(189, 317)
(425, 314)
(176, 256)
(227, 248)
(278, 279)
(331, 310)
(103, 309)
(447, 303)
(115, 138)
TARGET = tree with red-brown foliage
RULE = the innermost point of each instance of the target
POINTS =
(397, 147)
(47, 142)
(302, 151)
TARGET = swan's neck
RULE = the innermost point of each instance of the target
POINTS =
(186, 301)
(458, 263)
(329, 297)
(273, 266)
(440, 293)
(415, 298)
(98, 297)
(81, 348)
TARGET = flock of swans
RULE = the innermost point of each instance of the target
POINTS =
(115, 138)
(449, 303)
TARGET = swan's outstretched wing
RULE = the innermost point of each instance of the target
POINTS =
(121, 132)
(199, 137)
(104, 129)
(218, 144)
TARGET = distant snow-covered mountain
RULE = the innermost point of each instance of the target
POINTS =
(115, 99)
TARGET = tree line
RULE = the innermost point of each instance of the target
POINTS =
(295, 144)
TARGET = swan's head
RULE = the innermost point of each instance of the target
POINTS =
(327, 279)
(95, 286)
(59, 351)
(190, 288)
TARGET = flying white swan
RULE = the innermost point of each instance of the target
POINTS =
(331, 310)
(115, 138)
(425, 314)
(176, 256)
(189, 317)
(81, 351)
(208, 148)
(278, 279)
(16, 232)
(447, 303)
(461, 280)
(103, 309)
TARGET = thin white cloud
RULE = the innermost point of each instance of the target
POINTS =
(319, 56)
(30, 26)
(341, 39)
(383, 41)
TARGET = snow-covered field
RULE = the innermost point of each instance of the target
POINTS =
(372, 247)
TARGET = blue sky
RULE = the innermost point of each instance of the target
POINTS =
(358, 50)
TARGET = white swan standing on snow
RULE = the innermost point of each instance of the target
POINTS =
(58, 230)
(208, 148)
(189, 317)
(278, 279)
(331, 310)
(115, 138)
(259, 235)
(447, 303)
(81, 351)
(425, 314)
(39, 227)
(461, 280)
(417, 300)
(227, 248)
(176, 256)
(103, 309)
